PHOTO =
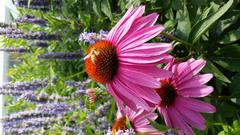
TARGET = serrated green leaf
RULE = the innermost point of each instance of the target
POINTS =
(211, 68)
(202, 26)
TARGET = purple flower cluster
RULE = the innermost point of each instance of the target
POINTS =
(78, 84)
(16, 50)
(7, 25)
(103, 124)
(34, 36)
(43, 5)
(61, 56)
(100, 112)
(30, 125)
(10, 31)
(20, 88)
(166, 39)
(42, 98)
(32, 20)
(41, 44)
(46, 110)
(92, 37)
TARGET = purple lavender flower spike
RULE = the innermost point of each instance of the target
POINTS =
(61, 56)
(32, 20)
(35, 36)
(19, 88)
(7, 25)
(16, 50)
(10, 31)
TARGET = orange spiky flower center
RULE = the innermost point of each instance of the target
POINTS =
(167, 93)
(119, 124)
(101, 62)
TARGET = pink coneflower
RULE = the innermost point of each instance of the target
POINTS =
(126, 63)
(139, 121)
(178, 106)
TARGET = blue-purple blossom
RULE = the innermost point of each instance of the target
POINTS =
(45, 110)
(43, 5)
(61, 56)
(19, 88)
(34, 36)
(32, 20)
(10, 31)
(165, 39)
(100, 112)
(92, 37)
(41, 44)
(16, 50)
(7, 25)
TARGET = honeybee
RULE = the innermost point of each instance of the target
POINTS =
(93, 56)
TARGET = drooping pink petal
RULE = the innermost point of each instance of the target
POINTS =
(166, 116)
(146, 51)
(139, 78)
(112, 33)
(193, 118)
(140, 23)
(146, 129)
(193, 69)
(144, 92)
(150, 47)
(141, 37)
(111, 91)
(124, 28)
(150, 70)
(196, 105)
(195, 81)
(201, 91)
(130, 96)
(178, 122)
(142, 60)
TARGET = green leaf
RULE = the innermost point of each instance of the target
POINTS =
(236, 124)
(229, 57)
(201, 27)
(169, 25)
(177, 4)
(228, 63)
(106, 8)
(231, 37)
(128, 123)
(203, 15)
(184, 24)
(97, 7)
(235, 86)
(230, 51)
(211, 68)
(158, 126)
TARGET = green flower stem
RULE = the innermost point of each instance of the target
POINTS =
(74, 75)
(176, 39)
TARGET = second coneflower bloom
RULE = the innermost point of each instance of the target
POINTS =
(178, 105)
(126, 63)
